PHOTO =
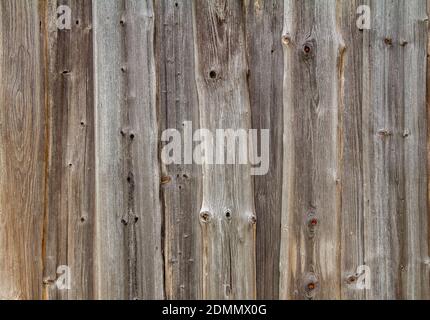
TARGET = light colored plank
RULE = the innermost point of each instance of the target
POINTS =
(227, 213)
(394, 119)
(181, 187)
(70, 204)
(128, 212)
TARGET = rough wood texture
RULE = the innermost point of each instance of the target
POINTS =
(128, 211)
(263, 28)
(181, 184)
(310, 256)
(22, 150)
(227, 212)
(69, 220)
(394, 142)
(82, 184)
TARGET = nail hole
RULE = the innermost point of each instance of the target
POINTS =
(388, 41)
(124, 222)
(83, 219)
(228, 214)
(311, 286)
(212, 74)
(314, 222)
(307, 49)
(132, 136)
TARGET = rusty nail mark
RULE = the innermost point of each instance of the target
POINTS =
(314, 222)
(351, 279)
(311, 286)
(307, 49)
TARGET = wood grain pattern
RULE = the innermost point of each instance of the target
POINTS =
(70, 209)
(128, 210)
(181, 184)
(265, 79)
(22, 149)
(227, 210)
(83, 184)
(310, 257)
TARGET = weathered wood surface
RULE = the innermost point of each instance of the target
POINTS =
(82, 184)
(22, 150)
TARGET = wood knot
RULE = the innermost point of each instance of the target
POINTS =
(205, 216)
(166, 180)
(308, 49)
(228, 214)
(212, 74)
(286, 40)
(388, 41)
(383, 133)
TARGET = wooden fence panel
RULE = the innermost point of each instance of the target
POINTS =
(84, 116)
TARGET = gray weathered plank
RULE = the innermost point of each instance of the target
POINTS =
(128, 211)
(350, 140)
(394, 142)
(264, 21)
(227, 213)
(22, 146)
(310, 255)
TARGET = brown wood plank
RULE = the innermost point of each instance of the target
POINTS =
(70, 209)
(227, 213)
(181, 183)
(22, 146)
(264, 20)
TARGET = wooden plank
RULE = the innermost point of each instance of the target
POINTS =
(310, 255)
(181, 183)
(70, 204)
(264, 21)
(227, 213)
(350, 142)
(128, 212)
(22, 145)
(394, 118)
